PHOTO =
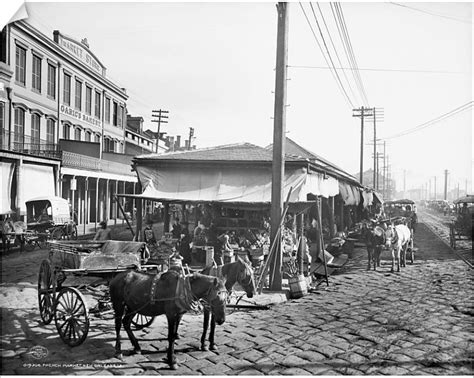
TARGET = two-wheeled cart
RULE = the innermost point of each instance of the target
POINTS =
(75, 269)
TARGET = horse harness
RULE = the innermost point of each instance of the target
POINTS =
(184, 297)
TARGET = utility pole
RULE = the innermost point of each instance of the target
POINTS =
(378, 116)
(162, 116)
(404, 183)
(445, 184)
(361, 113)
(279, 128)
(435, 197)
(375, 150)
(191, 134)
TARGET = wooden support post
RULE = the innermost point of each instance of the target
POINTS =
(301, 244)
(331, 216)
(96, 202)
(341, 209)
(138, 233)
(320, 238)
(166, 220)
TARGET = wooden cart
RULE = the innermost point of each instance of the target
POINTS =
(69, 269)
(460, 228)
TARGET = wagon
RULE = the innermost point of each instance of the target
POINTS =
(460, 227)
(77, 268)
(48, 218)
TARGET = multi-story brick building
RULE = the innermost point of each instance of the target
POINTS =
(62, 125)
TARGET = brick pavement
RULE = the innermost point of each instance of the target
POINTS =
(416, 322)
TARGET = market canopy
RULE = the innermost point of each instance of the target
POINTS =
(236, 185)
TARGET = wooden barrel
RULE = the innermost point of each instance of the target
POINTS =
(298, 286)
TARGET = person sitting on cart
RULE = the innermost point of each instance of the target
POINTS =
(44, 217)
(103, 233)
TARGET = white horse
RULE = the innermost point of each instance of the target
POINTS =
(398, 239)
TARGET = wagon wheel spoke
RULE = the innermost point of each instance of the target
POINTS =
(142, 321)
(46, 291)
(71, 316)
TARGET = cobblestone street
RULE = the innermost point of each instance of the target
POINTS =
(416, 322)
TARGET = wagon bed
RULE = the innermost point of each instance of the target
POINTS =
(69, 266)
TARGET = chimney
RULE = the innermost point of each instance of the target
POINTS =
(178, 142)
(186, 144)
(171, 146)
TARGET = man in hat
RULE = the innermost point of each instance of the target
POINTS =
(103, 233)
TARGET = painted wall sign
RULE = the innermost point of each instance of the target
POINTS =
(80, 116)
(80, 51)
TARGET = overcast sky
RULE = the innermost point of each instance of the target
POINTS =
(211, 65)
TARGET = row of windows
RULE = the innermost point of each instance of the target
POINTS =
(90, 94)
(76, 134)
(19, 138)
(19, 128)
(139, 140)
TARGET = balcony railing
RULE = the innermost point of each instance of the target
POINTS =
(28, 145)
(73, 160)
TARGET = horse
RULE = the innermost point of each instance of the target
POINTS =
(238, 271)
(169, 293)
(374, 238)
(398, 239)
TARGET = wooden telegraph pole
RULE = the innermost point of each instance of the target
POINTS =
(361, 113)
(162, 116)
(279, 126)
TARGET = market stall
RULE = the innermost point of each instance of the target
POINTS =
(223, 198)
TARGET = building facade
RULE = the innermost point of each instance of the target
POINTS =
(62, 125)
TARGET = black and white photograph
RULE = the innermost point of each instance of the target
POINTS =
(236, 188)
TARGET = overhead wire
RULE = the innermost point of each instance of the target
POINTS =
(382, 70)
(353, 60)
(440, 118)
(346, 52)
(329, 55)
(431, 13)
(335, 51)
(322, 51)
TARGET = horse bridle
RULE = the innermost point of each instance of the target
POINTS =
(246, 274)
(207, 301)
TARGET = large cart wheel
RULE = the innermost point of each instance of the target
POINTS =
(142, 321)
(46, 291)
(57, 233)
(71, 316)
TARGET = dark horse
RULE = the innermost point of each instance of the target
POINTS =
(236, 272)
(171, 294)
(374, 237)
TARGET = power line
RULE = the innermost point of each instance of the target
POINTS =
(431, 13)
(329, 54)
(381, 70)
(324, 55)
(344, 35)
(440, 118)
(344, 26)
(335, 50)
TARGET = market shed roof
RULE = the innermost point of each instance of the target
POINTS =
(294, 149)
(241, 152)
